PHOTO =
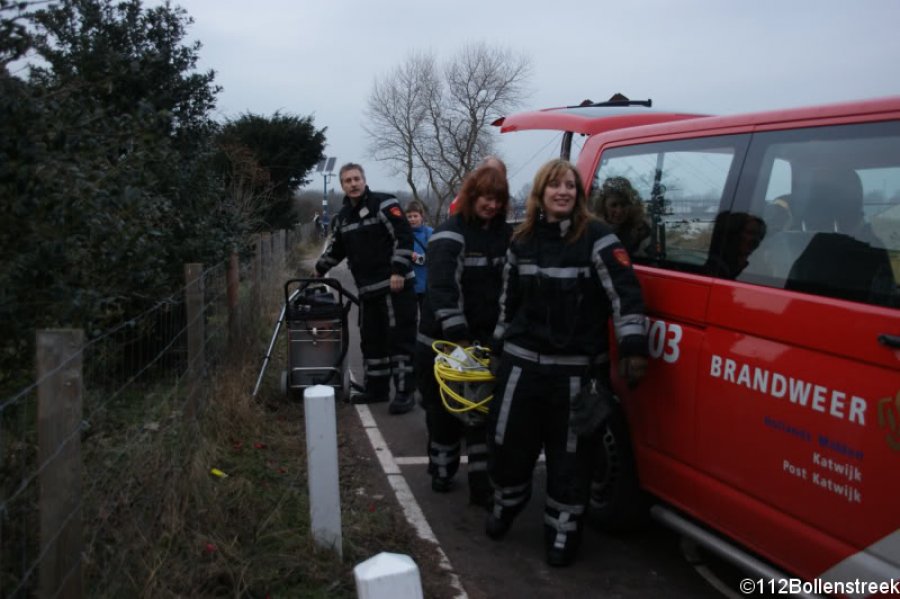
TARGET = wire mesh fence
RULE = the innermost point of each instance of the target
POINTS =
(98, 451)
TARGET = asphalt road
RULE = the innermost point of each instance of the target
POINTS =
(645, 563)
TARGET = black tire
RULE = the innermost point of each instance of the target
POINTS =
(617, 502)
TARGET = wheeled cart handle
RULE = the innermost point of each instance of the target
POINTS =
(303, 283)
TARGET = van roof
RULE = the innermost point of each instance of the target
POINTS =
(591, 120)
(588, 120)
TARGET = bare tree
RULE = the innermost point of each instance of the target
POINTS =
(397, 110)
(432, 124)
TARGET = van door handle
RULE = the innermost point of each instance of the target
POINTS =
(889, 340)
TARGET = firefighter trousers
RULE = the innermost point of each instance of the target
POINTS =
(446, 432)
(531, 411)
(387, 330)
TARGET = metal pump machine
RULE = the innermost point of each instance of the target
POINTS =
(315, 312)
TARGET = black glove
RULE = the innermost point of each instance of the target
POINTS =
(494, 364)
(590, 407)
(633, 369)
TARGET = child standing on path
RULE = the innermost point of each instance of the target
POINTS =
(421, 234)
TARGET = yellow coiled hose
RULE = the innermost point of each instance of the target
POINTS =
(457, 366)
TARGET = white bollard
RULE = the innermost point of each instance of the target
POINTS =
(322, 466)
(388, 576)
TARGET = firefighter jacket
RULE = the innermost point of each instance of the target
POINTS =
(558, 297)
(375, 238)
(465, 276)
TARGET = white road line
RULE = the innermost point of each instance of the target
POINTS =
(404, 495)
(418, 461)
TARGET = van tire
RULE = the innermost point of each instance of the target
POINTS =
(617, 503)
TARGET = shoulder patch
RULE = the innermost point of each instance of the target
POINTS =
(621, 256)
(395, 211)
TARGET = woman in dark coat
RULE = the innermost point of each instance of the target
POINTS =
(466, 255)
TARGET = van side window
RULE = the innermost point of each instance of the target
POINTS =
(683, 185)
(836, 231)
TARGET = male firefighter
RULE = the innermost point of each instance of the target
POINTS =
(372, 233)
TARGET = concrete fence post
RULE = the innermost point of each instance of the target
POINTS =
(388, 576)
(322, 467)
(59, 371)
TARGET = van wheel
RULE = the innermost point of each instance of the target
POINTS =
(617, 501)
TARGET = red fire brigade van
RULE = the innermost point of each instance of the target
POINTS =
(768, 427)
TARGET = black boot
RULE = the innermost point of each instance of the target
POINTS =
(560, 557)
(368, 397)
(402, 403)
(441, 484)
(496, 526)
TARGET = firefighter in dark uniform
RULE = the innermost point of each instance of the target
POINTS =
(566, 274)
(372, 232)
(465, 255)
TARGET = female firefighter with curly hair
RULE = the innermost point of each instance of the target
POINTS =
(466, 255)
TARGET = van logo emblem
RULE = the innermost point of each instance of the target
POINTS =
(889, 419)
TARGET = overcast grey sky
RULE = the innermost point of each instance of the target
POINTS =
(320, 58)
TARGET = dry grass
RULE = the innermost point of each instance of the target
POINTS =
(172, 529)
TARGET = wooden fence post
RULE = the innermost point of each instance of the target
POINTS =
(278, 245)
(266, 259)
(193, 300)
(59, 372)
(256, 292)
(232, 282)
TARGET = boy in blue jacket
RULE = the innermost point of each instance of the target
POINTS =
(421, 234)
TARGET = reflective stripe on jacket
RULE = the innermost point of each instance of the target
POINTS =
(559, 296)
(375, 238)
(465, 270)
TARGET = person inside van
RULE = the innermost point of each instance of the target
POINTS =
(735, 236)
(567, 276)
(845, 204)
(618, 203)
(841, 260)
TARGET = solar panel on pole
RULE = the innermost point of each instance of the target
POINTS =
(324, 167)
